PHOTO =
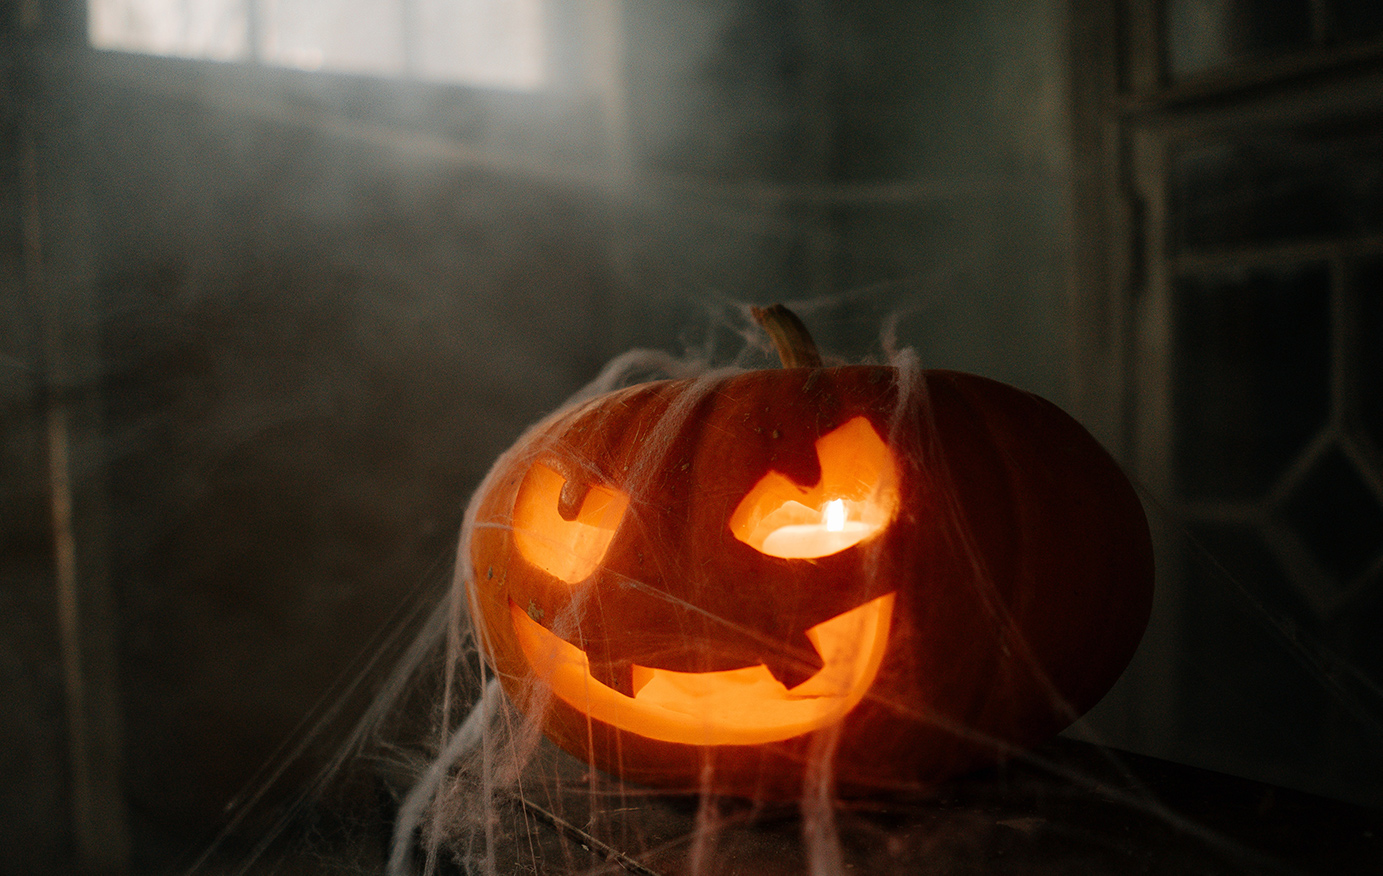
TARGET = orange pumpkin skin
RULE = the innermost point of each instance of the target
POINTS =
(1018, 555)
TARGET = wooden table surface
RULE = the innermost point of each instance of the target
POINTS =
(1071, 808)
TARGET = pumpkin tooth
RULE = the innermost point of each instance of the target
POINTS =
(642, 676)
(794, 665)
(618, 675)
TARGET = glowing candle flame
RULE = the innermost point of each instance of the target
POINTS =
(827, 534)
(834, 515)
(855, 499)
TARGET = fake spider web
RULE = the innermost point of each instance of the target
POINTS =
(455, 779)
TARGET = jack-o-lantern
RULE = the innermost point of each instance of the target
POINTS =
(686, 580)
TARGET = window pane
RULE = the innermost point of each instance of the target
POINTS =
(1252, 377)
(1338, 516)
(1355, 20)
(1293, 185)
(212, 29)
(1245, 695)
(1206, 34)
(486, 43)
(481, 42)
(1368, 338)
(346, 35)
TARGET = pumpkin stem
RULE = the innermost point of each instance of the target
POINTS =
(790, 337)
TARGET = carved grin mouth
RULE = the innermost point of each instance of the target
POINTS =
(731, 707)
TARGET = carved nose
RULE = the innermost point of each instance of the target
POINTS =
(618, 675)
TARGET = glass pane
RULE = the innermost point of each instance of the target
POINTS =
(216, 30)
(344, 35)
(1285, 186)
(486, 43)
(1247, 695)
(1355, 20)
(1368, 287)
(1252, 376)
(1339, 517)
(482, 42)
(1205, 34)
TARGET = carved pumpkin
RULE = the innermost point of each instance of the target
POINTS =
(686, 580)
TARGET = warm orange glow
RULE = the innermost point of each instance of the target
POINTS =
(735, 707)
(567, 549)
(856, 498)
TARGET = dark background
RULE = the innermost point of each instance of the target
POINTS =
(263, 331)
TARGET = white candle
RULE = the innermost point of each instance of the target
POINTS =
(834, 533)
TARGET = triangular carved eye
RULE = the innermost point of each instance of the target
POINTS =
(856, 499)
(567, 549)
